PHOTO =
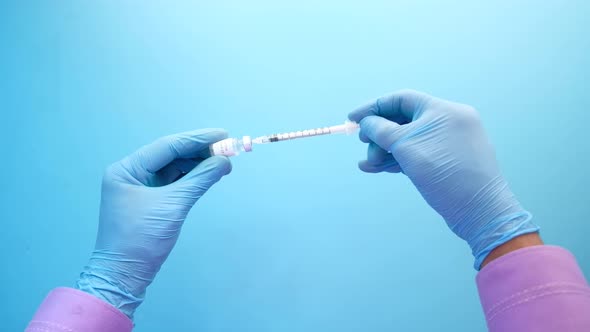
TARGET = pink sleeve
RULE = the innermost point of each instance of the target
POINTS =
(71, 310)
(538, 288)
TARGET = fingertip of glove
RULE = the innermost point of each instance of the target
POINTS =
(366, 167)
(216, 134)
(369, 119)
(221, 163)
(206, 135)
(389, 167)
(353, 116)
(365, 124)
(363, 138)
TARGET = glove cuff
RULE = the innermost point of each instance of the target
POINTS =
(500, 231)
(110, 292)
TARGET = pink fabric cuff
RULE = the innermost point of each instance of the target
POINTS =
(71, 310)
(539, 288)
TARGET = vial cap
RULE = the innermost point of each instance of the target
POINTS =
(247, 141)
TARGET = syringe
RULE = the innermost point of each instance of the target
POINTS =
(347, 128)
(233, 146)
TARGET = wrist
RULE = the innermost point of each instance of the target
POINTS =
(489, 218)
(519, 242)
(109, 291)
(498, 231)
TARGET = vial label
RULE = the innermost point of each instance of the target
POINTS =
(224, 148)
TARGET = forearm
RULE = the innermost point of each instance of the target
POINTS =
(526, 286)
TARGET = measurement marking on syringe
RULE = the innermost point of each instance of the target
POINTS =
(300, 134)
(347, 127)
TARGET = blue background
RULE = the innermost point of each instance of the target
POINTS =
(297, 238)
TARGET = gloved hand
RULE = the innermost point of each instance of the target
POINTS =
(145, 200)
(442, 147)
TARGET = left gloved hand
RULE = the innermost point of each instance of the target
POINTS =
(145, 200)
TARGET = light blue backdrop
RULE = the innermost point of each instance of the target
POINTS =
(296, 239)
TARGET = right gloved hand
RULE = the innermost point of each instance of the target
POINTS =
(442, 147)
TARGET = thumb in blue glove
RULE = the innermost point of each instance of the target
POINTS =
(145, 200)
(442, 147)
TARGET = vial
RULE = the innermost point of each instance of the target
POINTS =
(231, 146)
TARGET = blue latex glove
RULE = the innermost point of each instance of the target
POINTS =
(442, 147)
(145, 200)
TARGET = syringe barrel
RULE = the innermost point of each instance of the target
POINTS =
(348, 127)
(299, 134)
(232, 146)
